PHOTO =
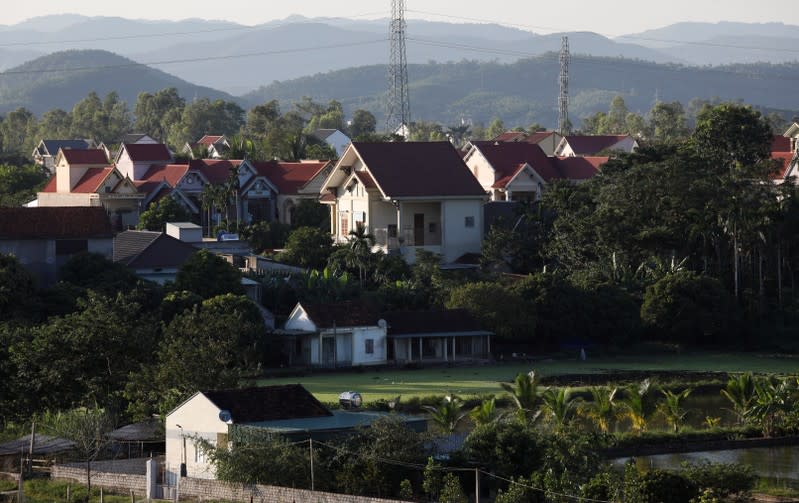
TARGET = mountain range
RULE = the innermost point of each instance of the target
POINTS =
(457, 70)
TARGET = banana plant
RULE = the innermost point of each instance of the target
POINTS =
(524, 393)
(448, 414)
(672, 409)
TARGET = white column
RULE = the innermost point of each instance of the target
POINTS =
(421, 353)
(445, 349)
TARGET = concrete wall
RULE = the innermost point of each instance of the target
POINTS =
(68, 199)
(481, 169)
(359, 337)
(208, 490)
(457, 238)
(121, 482)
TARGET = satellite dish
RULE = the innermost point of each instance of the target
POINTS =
(225, 416)
(382, 323)
(350, 400)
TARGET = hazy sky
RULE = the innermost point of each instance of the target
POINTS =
(608, 17)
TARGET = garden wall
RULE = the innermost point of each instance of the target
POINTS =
(120, 482)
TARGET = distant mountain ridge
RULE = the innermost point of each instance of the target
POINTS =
(52, 81)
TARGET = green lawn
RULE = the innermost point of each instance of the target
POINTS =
(471, 381)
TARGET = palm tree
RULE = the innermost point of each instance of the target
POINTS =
(360, 250)
(671, 407)
(774, 400)
(448, 414)
(740, 391)
(524, 393)
(559, 405)
(636, 405)
(602, 408)
(485, 412)
(232, 187)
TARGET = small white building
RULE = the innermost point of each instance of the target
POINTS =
(344, 334)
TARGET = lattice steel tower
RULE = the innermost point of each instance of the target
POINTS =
(399, 106)
(563, 98)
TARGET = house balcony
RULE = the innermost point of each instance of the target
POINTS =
(405, 242)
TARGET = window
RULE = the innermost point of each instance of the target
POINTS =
(392, 230)
(71, 246)
(345, 224)
(370, 346)
(469, 222)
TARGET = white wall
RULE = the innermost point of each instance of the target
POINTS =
(458, 239)
(299, 320)
(59, 199)
(359, 336)
(481, 169)
(199, 417)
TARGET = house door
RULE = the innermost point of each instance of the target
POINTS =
(329, 351)
(418, 229)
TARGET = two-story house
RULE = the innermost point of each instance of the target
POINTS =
(409, 195)
(521, 171)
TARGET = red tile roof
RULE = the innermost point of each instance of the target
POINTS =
(539, 136)
(784, 160)
(147, 152)
(208, 140)
(54, 223)
(341, 314)
(510, 136)
(579, 168)
(217, 171)
(88, 156)
(587, 145)
(51, 185)
(780, 143)
(418, 169)
(91, 181)
(366, 179)
(169, 173)
(508, 158)
(289, 177)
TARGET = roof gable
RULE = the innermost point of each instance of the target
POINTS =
(418, 169)
(289, 177)
(508, 157)
(216, 171)
(149, 250)
(146, 152)
(269, 403)
(586, 145)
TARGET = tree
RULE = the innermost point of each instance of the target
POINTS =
(637, 405)
(208, 275)
(740, 392)
(601, 410)
(226, 333)
(157, 113)
(559, 405)
(452, 492)
(308, 247)
(524, 393)
(427, 131)
(265, 235)
(448, 414)
(19, 184)
(55, 123)
(260, 459)
(689, 308)
(204, 116)
(103, 120)
(667, 122)
(17, 287)
(484, 413)
(497, 308)
(309, 213)
(87, 429)
(495, 128)
(94, 271)
(363, 123)
(261, 118)
(17, 132)
(159, 214)
(671, 407)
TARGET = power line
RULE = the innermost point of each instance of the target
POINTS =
(545, 491)
(610, 37)
(178, 33)
(192, 60)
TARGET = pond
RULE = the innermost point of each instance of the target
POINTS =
(780, 463)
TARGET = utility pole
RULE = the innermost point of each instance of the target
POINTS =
(398, 112)
(310, 446)
(563, 97)
(476, 485)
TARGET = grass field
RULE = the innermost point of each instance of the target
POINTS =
(481, 380)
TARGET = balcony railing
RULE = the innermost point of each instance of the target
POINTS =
(392, 239)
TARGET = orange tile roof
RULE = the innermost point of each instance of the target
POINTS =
(92, 180)
(86, 156)
(289, 177)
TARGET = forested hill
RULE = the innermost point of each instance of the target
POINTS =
(525, 92)
(62, 79)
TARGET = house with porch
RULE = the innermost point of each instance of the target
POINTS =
(84, 178)
(521, 171)
(410, 195)
(442, 336)
(293, 181)
(344, 334)
(592, 145)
